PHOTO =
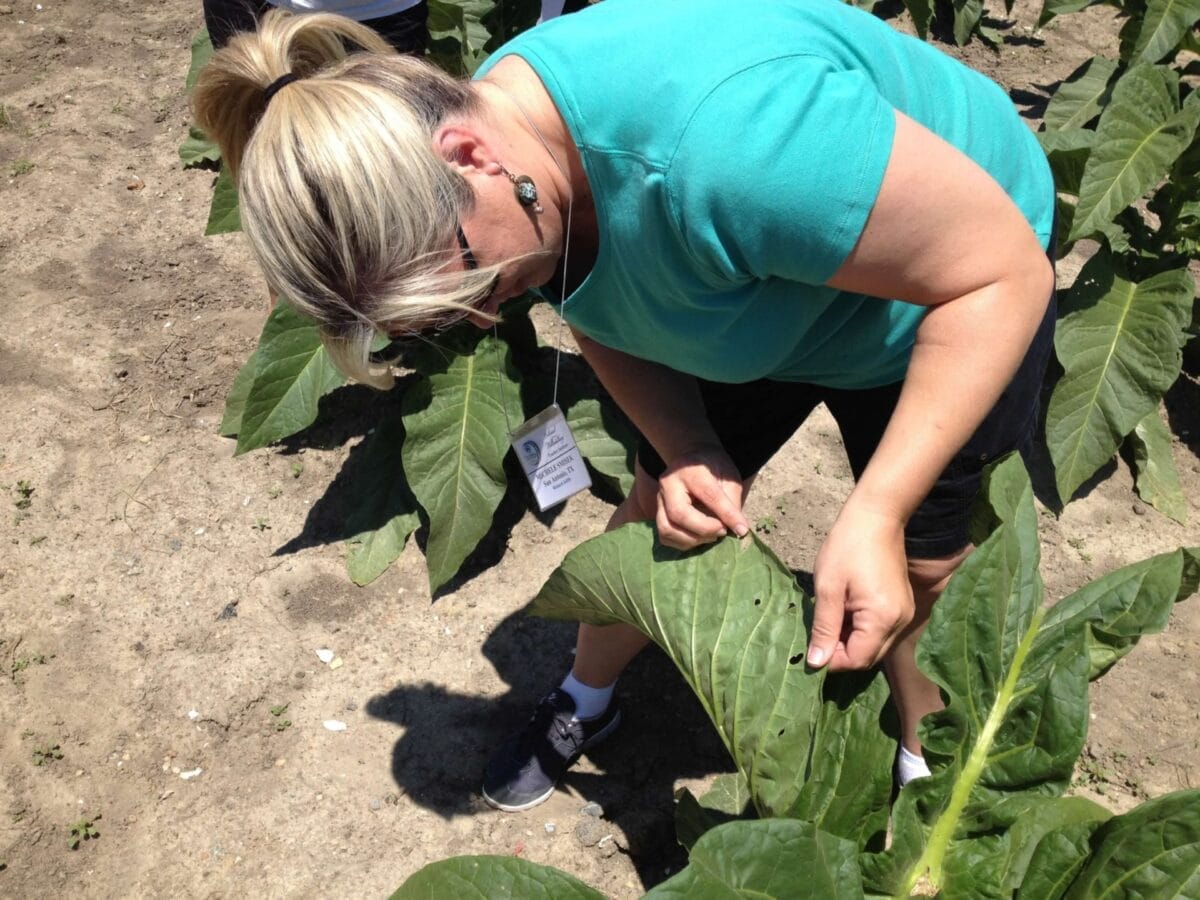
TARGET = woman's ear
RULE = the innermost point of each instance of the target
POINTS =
(464, 149)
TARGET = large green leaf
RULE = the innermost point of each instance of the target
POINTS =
(1152, 851)
(774, 858)
(1068, 151)
(383, 511)
(1160, 29)
(202, 50)
(605, 442)
(492, 878)
(1140, 134)
(922, 14)
(967, 14)
(198, 149)
(292, 375)
(733, 620)
(1057, 858)
(1015, 677)
(728, 799)
(1157, 480)
(1052, 8)
(1042, 819)
(235, 400)
(457, 435)
(1116, 610)
(224, 217)
(1081, 96)
(1120, 344)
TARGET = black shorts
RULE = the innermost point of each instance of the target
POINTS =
(406, 30)
(754, 420)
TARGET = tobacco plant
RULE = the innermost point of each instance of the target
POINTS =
(1121, 136)
(807, 811)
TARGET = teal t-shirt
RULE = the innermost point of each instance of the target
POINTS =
(734, 151)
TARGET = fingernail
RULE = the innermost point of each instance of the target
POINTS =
(742, 531)
(816, 657)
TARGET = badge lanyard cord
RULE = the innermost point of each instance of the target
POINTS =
(562, 296)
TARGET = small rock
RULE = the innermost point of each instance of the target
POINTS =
(280, 763)
(1158, 695)
(334, 725)
(230, 611)
(593, 809)
(607, 846)
(135, 184)
(351, 706)
(325, 656)
(376, 804)
(1139, 509)
(550, 828)
(193, 714)
(589, 831)
(336, 663)
(190, 774)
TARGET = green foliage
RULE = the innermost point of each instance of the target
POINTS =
(1121, 137)
(768, 859)
(991, 820)
(1120, 344)
(1157, 481)
(280, 722)
(292, 372)
(25, 491)
(198, 150)
(83, 830)
(383, 511)
(46, 753)
(223, 216)
(456, 424)
(492, 878)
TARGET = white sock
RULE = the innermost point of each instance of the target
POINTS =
(911, 765)
(589, 701)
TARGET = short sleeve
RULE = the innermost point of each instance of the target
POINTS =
(778, 169)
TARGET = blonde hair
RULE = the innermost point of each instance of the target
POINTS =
(349, 211)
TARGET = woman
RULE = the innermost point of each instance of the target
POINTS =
(727, 202)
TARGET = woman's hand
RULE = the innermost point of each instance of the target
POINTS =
(700, 499)
(864, 598)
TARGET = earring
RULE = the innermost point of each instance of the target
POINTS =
(525, 189)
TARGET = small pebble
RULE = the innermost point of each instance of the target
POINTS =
(1139, 509)
(593, 809)
(550, 829)
(334, 725)
(280, 763)
(376, 804)
(589, 831)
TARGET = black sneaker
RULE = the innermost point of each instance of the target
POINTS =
(525, 770)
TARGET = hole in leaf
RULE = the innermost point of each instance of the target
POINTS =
(780, 733)
(791, 606)
(757, 601)
(796, 659)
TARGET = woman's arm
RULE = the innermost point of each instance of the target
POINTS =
(942, 234)
(700, 493)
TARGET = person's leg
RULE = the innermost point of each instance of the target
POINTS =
(224, 18)
(406, 30)
(603, 652)
(752, 422)
(936, 539)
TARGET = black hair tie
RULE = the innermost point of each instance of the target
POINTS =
(277, 85)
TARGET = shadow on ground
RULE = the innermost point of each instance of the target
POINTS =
(664, 736)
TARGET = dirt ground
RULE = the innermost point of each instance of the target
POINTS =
(161, 600)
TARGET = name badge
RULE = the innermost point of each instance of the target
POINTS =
(550, 458)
